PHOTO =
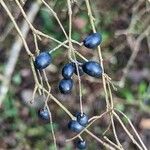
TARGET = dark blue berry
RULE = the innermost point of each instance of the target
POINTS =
(65, 85)
(92, 68)
(81, 72)
(93, 40)
(42, 60)
(68, 70)
(81, 144)
(82, 118)
(43, 114)
(74, 126)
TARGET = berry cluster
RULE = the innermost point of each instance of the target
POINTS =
(78, 125)
(91, 68)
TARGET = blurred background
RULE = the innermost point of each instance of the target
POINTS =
(124, 25)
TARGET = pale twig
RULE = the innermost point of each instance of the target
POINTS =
(46, 80)
(17, 28)
(99, 52)
(94, 119)
(108, 128)
(36, 44)
(58, 20)
(32, 59)
(57, 47)
(9, 27)
(127, 131)
(111, 117)
(59, 42)
(33, 95)
(51, 123)
(136, 48)
(37, 32)
(41, 81)
(105, 78)
(56, 17)
(72, 117)
(133, 42)
(35, 75)
(72, 50)
(16, 47)
(100, 141)
(114, 131)
(133, 128)
(110, 142)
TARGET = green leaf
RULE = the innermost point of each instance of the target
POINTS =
(10, 109)
(142, 88)
(76, 36)
(57, 53)
(17, 79)
(39, 131)
(127, 94)
(47, 20)
(52, 147)
(105, 36)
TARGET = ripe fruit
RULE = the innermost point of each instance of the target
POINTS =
(92, 68)
(65, 85)
(43, 114)
(74, 126)
(81, 144)
(42, 60)
(68, 70)
(93, 40)
(82, 119)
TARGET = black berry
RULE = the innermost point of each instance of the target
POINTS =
(42, 60)
(93, 40)
(81, 144)
(82, 118)
(65, 85)
(68, 70)
(43, 114)
(92, 68)
(74, 126)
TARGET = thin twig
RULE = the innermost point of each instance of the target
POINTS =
(72, 50)
(133, 128)
(126, 130)
(16, 47)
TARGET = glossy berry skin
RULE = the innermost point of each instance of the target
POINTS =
(92, 68)
(43, 114)
(92, 41)
(81, 144)
(74, 126)
(65, 86)
(82, 118)
(68, 70)
(42, 60)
